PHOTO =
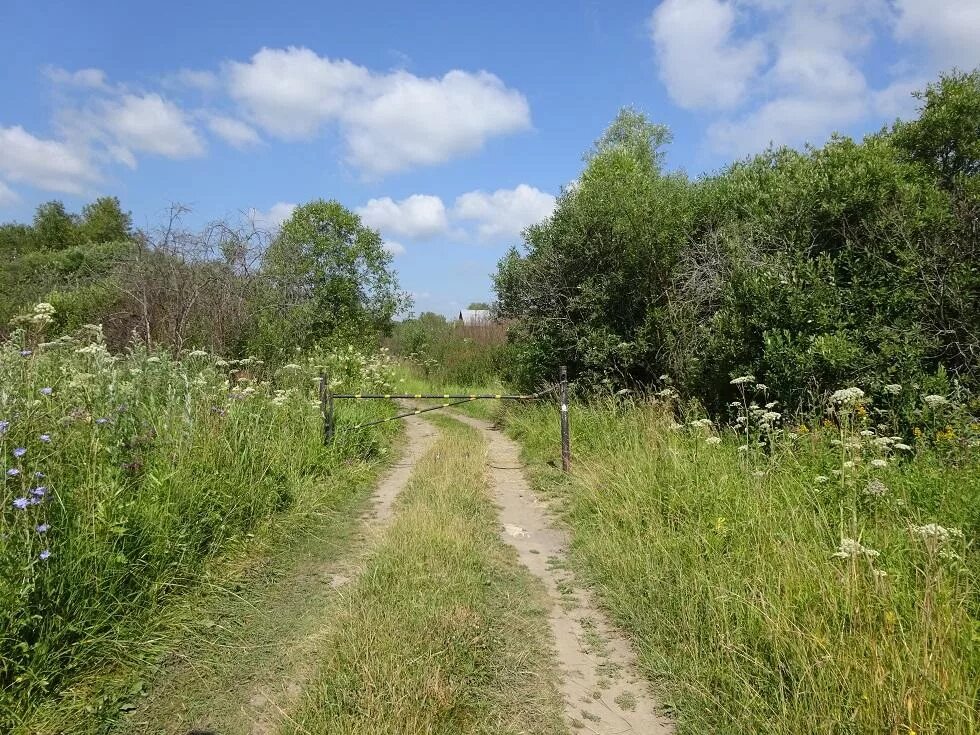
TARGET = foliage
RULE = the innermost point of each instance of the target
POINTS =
(852, 263)
(328, 279)
(125, 475)
(781, 578)
(447, 353)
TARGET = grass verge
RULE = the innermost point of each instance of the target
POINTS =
(443, 632)
(731, 570)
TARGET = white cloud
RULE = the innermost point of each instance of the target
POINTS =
(419, 216)
(292, 92)
(896, 100)
(234, 132)
(272, 218)
(506, 212)
(47, 164)
(949, 28)
(389, 122)
(8, 197)
(151, 124)
(87, 78)
(393, 247)
(699, 60)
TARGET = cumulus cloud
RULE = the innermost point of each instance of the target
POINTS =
(389, 121)
(272, 218)
(394, 247)
(8, 197)
(700, 61)
(87, 78)
(504, 213)
(47, 164)
(419, 216)
(198, 79)
(949, 28)
(151, 124)
(234, 132)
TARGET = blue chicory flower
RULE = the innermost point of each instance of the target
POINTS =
(43, 556)
(4, 425)
(42, 528)
(38, 474)
(46, 438)
(26, 353)
(46, 391)
(13, 472)
(20, 452)
(21, 503)
(39, 491)
(102, 421)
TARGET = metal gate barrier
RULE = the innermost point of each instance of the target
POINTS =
(327, 399)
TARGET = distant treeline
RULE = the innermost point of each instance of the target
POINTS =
(851, 264)
(229, 287)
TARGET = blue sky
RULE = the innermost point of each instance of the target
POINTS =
(449, 126)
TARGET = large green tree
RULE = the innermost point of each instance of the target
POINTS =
(328, 278)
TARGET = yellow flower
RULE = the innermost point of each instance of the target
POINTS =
(827, 423)
(802, 429)
(917, 431)
(861, 410)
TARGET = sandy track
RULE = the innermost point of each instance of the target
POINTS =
(602, 691)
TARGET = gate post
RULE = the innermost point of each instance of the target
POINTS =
(566, 448)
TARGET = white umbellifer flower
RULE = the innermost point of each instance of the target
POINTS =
(761, 386)
(676, 426)
(867, 432)
(821, 479)
(851, 549)
(879, 463)
(221, 363)
(153, 359)
(849, 464)
(883, 442)
(291, 366)
(713, 440)
(880, 573)
(197, 353)
(743, 380)
(876, 488)
(846, 395)
(758, 473)
(899, 445)
(934, 401)
(743, 448)
(704, 423)
(770, 417)
(893, 389)
(772, 404)
(935, 532)
(43, 308)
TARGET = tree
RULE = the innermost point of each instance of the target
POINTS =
(54, 227)
(479, 306)
(328, 277)
(104, 221)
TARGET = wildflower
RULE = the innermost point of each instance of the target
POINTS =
(772, 404)
(39, 491)
(153, 359)
(46, 438)
(102, 421)
(879, 463)
(821, 479)
(42, 528)
(198, 353)
(761, 386)
(934, 401)
(876, 488)
(867, 433)
(291, 366)
(917, 432)
(26, 353)
(851, 549)
(743, 380)
(46, 391)
(21, 503)
(849, 464)
(904, 447)
(4, 425)
(44, 555)
(935, 533)
(846, 396)
(893, 389)
(20, 452)
(713, 440)
(770, 417)
(758, 473)
(880, 573)
(38, 474)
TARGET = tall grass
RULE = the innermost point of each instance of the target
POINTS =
(124, 477)
(825, 582)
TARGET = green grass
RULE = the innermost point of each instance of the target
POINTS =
(444, 632)
(153, 473)
(719, 564)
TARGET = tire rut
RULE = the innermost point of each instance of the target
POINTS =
(602, 691)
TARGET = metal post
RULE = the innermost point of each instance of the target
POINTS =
(330, 428)
(323, 409)
(566, 448)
